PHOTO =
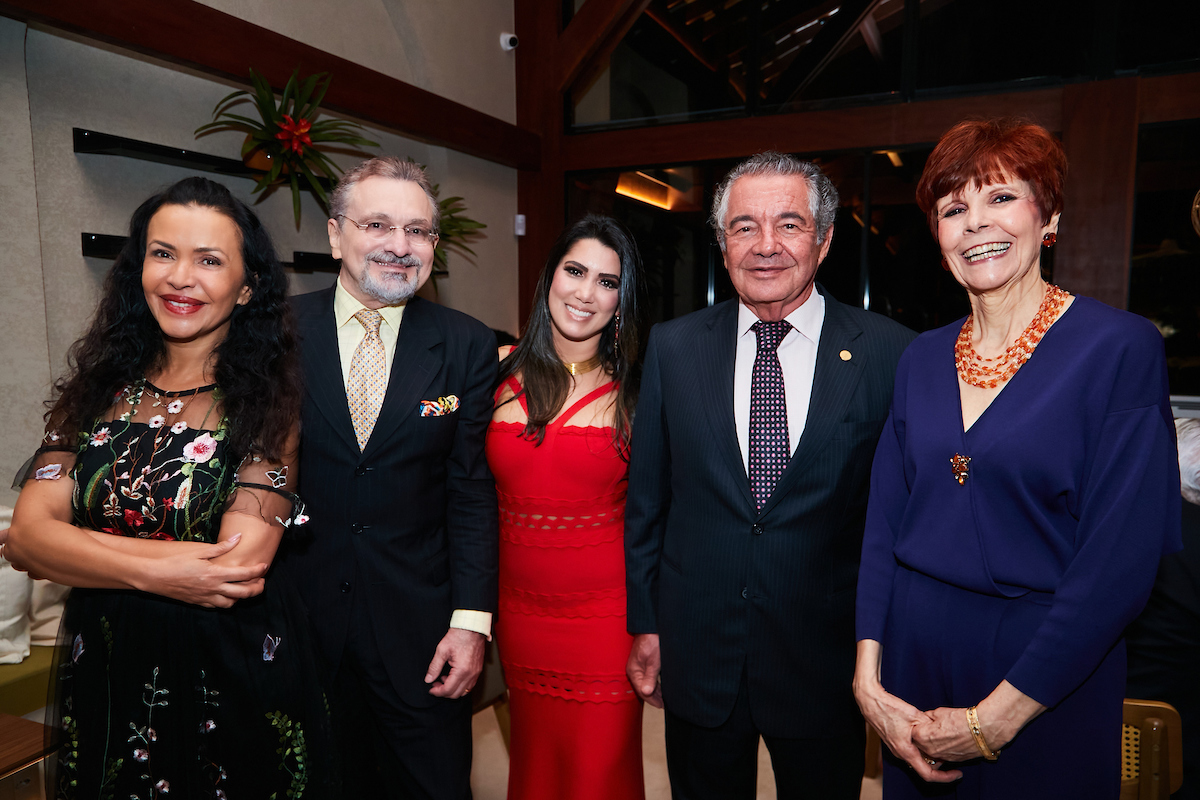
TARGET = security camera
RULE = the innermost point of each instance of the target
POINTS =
(508, 41)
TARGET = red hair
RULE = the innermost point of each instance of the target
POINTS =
(980, 152)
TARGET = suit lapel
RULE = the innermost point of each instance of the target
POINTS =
(323, 370)
(718, 348)
(834, 380)
(417, 359)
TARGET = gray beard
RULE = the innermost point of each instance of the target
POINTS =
(389, 289)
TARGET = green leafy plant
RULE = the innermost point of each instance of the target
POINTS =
(456, 230)
(288, 133)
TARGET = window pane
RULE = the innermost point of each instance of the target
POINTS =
(1165, 272)
(1157, 34)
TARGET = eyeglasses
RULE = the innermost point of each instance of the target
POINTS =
(416, 234)
(748, 232)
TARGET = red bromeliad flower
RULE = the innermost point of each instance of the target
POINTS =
(295, 134)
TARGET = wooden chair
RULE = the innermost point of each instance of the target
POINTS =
(1152, 751)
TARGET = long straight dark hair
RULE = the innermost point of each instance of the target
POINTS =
(546, 383)
(256, 364)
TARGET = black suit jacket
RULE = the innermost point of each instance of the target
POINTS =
(728, 588)
(407, 529)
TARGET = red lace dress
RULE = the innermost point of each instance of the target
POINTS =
(576, 723)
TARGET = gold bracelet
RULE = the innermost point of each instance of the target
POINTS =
(977, 734)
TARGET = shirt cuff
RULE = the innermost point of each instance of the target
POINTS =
(477, 621)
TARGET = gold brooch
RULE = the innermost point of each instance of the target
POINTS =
(959, 465)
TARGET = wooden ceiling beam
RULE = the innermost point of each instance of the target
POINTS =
(821, 51)
(194, 35)
(781, 15)
(591, 36)
(730, 39)
(690, 43)
(697, 11)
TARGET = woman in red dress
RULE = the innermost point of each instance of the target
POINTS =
(558, 446)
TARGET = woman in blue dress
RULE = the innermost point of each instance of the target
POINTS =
(1023, 491)
(161, 492)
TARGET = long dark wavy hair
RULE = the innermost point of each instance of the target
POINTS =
(545, 380)
(255, 365)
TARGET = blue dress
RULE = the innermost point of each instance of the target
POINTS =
(1032, 567)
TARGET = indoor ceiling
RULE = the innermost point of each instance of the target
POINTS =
(775, 48)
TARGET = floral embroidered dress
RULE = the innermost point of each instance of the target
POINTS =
(157, 698)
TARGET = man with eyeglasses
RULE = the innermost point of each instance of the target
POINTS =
(399, 573)
(756, 425)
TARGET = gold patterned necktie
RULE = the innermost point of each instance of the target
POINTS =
(368, 377)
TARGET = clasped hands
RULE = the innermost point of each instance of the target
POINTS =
(190, 572)
(185, 572)
(941, 735)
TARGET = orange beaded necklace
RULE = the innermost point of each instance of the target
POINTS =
(988, 373)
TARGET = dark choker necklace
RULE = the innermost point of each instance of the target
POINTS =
(582, 367)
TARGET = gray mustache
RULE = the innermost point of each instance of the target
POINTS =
(384, 257)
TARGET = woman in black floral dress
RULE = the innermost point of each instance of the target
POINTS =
(161, 492)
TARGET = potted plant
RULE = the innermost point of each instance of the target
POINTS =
(456, 230)
(286, 141)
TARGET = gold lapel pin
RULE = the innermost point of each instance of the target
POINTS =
(845, 355)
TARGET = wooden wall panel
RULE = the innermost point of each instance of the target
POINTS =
(192, 34)
(1167, 98)
(1100, 134)
(540, 193)
(808, 132)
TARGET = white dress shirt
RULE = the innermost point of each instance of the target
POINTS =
(797, 358)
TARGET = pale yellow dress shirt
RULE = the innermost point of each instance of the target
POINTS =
(350, 333)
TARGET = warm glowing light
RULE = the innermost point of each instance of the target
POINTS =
(893, 156)
(642, 187)
(859, 220)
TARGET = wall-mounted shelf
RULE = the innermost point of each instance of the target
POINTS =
(313, 262)
(102, 245)
(107, 246)
(106, 144)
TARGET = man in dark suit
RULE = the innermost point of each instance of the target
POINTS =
(399, 577)
(755, 429)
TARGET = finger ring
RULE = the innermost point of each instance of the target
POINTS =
(931, 762)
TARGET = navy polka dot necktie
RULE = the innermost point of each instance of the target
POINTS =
(769, 452)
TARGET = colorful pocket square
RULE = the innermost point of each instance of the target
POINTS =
(440, 407)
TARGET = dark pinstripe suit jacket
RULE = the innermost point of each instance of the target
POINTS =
(724, 586)
(405, 531)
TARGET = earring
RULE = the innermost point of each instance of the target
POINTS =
(1049, 239)
(616, 331)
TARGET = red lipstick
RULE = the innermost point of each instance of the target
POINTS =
(178, 304)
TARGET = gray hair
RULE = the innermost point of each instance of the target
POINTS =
(383, 167)
(822, 197)
(1188, 432)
